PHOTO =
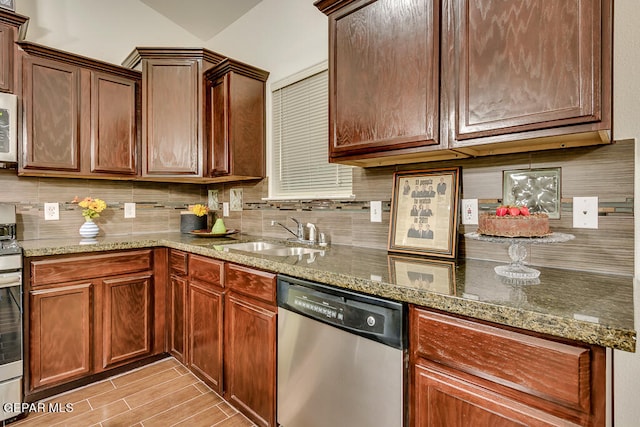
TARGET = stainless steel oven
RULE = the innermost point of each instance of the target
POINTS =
(10, 315)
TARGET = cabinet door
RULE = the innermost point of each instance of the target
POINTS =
(172, 141)
(51, 105)
(441, 399)
(113, 124)
(218, 126)
(60, 334)
(384, 76)
(250, 358)
(177, 331)
(127, 319)
(523, 66)
(6, 58)
(206, 333)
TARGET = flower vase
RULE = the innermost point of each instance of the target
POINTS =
(89, 229)
(190, 222)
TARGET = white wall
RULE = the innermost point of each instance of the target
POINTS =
(285, 36)
(626, 108)
(105, 30)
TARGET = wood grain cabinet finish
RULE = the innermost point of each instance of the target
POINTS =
(520, 70)
(60, 336)
(250, 343)
(173, 110)
(81, 116)
(177, 318)
(127, 319)
(235, 120)
(82, 321)
(383, 78)
(11, 27)
(205, 320)
(464, 370)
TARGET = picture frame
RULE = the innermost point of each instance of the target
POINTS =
(422, 274)
(538, 189)
(424, 212)
(8, 4)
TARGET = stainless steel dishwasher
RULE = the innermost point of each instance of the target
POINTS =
(341, 357)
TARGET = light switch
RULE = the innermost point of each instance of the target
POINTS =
(585, 212)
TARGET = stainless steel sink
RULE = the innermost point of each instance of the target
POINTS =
(253, 246)
(271, 249)
(289, 251)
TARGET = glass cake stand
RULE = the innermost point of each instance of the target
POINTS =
(518, 252)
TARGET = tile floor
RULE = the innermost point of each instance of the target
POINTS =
(161, 394)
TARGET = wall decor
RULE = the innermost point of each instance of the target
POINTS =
(538, 189)
(424, 212)
(8, 4)
(235, 199)
(8, 128)
(419, 273)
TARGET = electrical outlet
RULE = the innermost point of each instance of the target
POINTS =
(129, 210)
(585, 212)
(225, 208)
(51, 212)
(376, 211)
(470, 211)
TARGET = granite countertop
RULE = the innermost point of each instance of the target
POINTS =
(588, 307)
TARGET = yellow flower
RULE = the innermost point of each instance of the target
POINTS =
(91, 207)
(199, 210)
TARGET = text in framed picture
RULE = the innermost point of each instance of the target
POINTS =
(424, 212)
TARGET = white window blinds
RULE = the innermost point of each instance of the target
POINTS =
(300, 167)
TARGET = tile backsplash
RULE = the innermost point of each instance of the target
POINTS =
(604, 171)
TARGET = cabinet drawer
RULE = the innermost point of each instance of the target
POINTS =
(250, 282)
(208, 270)
(57, 270)
(557, 372)
(178, 263)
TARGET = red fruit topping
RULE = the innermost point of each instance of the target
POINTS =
(514, 211)
(524, 211)
(501, 211)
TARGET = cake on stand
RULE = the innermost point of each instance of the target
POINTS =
(518, 252)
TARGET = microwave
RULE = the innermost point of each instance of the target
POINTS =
(8, 128)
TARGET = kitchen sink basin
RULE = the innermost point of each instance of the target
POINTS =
(289, 251)
(271, 249)
(253, 246)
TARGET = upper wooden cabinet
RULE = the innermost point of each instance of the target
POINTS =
(173, 110)
(235, 121)
(12, 26)
(80, 116)
(416, 80)
(383, 79)
(514, 71)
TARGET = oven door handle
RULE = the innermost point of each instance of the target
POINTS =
(8, 280)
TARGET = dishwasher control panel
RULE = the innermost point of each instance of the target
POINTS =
(364, 315)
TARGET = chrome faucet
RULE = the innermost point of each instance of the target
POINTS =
(312, 232)
(299, 233)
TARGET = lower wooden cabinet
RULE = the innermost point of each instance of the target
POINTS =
(205, 328)
(250, 358)
(466, 372)
(84, 320)
(127, 317)
(60, 334)
(177, 318)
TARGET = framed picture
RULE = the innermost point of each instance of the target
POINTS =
(424, 212)
(8, 4)
(419, 273)
(538, 189)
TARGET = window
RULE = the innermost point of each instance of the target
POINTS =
(300, 140)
